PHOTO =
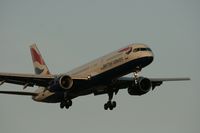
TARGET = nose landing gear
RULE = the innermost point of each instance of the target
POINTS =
(136, 74)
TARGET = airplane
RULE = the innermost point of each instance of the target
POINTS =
(105, 75)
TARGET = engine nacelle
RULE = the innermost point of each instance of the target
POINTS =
(65, 82)
(62, 82)
(142, 87)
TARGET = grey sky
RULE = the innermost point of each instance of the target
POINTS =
(72, 32)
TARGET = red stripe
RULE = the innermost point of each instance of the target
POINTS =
(36, 57)
(124, 49)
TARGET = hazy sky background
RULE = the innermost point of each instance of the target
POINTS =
(70, 33)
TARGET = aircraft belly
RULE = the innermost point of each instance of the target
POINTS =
(48, 97)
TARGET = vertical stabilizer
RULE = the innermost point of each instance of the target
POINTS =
(38, 62)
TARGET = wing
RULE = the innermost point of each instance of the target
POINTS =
(158, 81)
(125, 82)
(26, 79)
(19, 93)
(31, 79)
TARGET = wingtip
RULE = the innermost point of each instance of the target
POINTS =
(186, 78)
(189, 79)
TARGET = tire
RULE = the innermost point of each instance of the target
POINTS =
(69, 103)
(114, 104)
(66, 106)
(106, 106)
(111, 107)
(62, 105)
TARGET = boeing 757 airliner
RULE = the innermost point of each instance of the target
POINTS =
(104, 75)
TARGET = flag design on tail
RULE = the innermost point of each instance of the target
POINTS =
(38, 62)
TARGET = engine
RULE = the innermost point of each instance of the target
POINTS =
(142, 86)
(63, 82)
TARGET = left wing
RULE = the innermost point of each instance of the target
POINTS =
(158, 81)
(125, 82)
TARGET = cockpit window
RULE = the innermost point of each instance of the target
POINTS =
(141, 49)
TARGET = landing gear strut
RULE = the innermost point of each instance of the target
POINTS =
(110, 104)
(136, 75)
(66, 102)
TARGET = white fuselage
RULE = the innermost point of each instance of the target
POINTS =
(121, 57)
(110, 61)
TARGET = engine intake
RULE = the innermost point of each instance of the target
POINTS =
(142, 87)
(65, 82)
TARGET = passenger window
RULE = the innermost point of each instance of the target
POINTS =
(135, 50)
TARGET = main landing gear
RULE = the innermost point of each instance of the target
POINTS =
(66, 102)
(110, 104)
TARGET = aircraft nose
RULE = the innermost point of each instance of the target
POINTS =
(150, 58)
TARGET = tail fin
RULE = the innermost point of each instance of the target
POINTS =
(38, 62)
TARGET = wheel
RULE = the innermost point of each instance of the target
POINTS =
(111, 107)
(66, 106)
(62, 105)
(109, 103)
(69, 103)
(114, 104)
(106, 106)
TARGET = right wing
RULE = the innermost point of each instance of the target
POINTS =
(19, 93)
(32, 79)
(29, 80)
(26, 79)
